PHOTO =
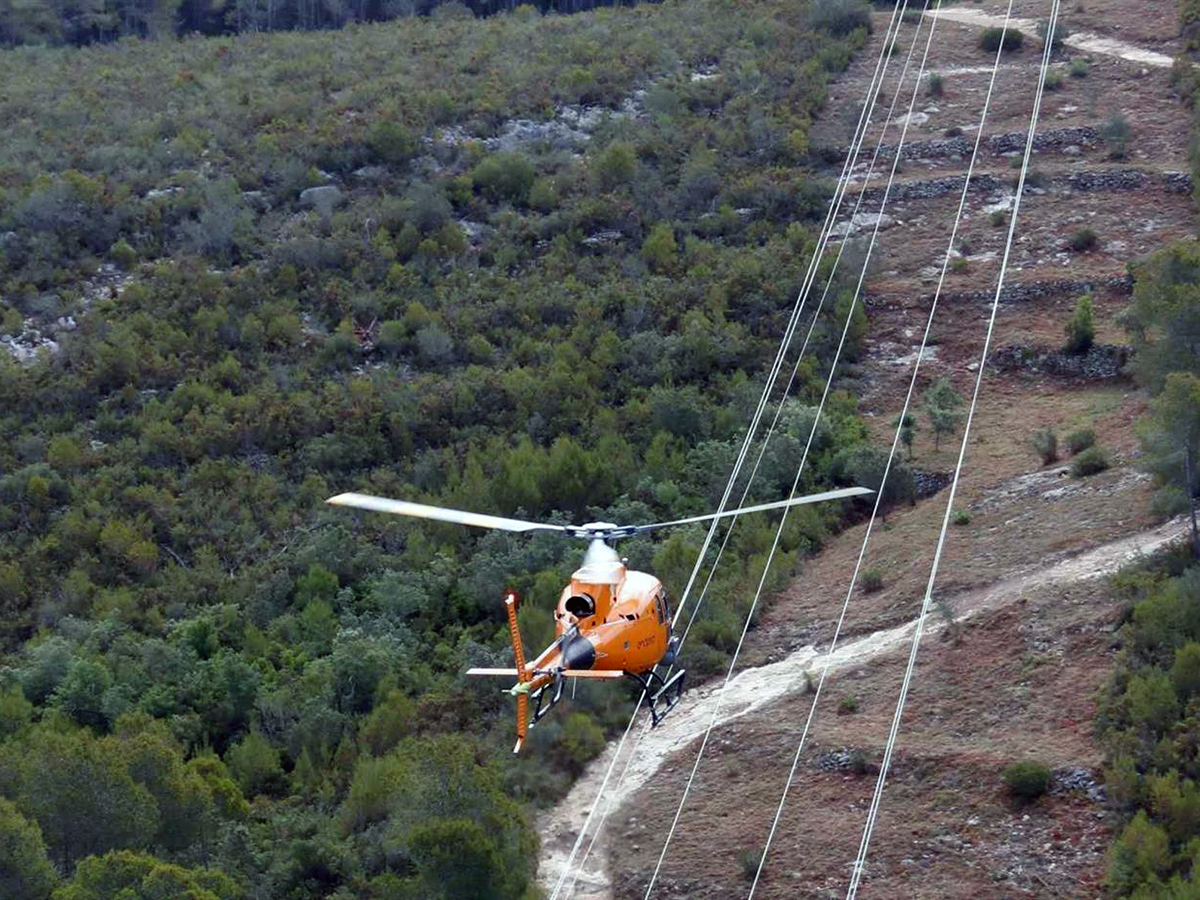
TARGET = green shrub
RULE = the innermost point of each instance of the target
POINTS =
(1141, 853)
(992, 39)
(123, 254)
(504, 176)
(1185, 671)
(616, 165)
(1045, 445)
(11, 321)
(660, 249)
(937, 85)
(1080, 439)
(254, 764)
(544, 195)
(1152, 700)
(1054, 80)
(390, 142)
(1091, 461)
(871, 580)
(1115, 133)
(998, 218)
(962, 517)
(1083, 240)
(847, 705)
(840, 17)
(1081, 329)
(1027, 780)
(580, 741)
(1057, 38)
(749, 861)
(1079, 68)
(860, 764)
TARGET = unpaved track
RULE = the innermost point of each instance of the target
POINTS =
(753, 689)
(1079, 40)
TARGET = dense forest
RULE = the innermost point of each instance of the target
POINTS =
(54, 22)
(1149, 712)
(526, 265)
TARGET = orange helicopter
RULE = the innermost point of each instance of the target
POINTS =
(611, 622)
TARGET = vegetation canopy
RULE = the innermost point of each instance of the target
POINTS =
(524, 265)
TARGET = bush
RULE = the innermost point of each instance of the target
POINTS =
(993, 39)
(1079, 68)
(937, 85)
(1143, 852)
(1081, 329)
(749, 861)
(122, 254)
(580, 741)
(1045, 444)
(998, 218)
(1054, 80)
(962, 517)
(660, 249)
(847, 705)
(1090, 462)
(840, 17)
(254, 764)
(504, 176)
(1027, 780)
(1080, 439)
(1115, 133)
(390, 142)
(1083, 240)
(616, 165)
(872, 580)
(1057, 38)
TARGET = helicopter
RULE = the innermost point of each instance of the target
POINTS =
(610, 622)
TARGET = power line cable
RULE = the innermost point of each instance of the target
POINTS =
(920, 355)
(873, 811)
(835, 205)
(783, 521)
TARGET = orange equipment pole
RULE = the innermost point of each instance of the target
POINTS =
(510, 607)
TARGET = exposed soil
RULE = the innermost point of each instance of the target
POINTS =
(1023, 634)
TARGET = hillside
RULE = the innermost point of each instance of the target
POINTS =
(523, 265)
(1027, 627)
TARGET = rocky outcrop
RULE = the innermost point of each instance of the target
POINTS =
(1101, 362)
(995, 145)
(323, 198)
(1094, 181)
(1039, 290)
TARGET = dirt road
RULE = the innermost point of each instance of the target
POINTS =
(751, 689)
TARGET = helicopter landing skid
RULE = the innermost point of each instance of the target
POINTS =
(543, 702)
(658, 691)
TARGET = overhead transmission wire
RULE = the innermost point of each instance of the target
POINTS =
(879, 496)
(839, 195)
(854, 149)
(799, 471)
(873, 811)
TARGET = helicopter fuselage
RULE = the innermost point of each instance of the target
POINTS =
(608, 618)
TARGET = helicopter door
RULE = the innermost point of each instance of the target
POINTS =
(660, 606)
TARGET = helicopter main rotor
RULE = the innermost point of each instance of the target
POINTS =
(603, 531)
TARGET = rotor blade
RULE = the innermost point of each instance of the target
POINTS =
(421, 511)
(763, 507)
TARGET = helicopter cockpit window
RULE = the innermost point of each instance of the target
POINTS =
(581, 606)
(660, 606)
